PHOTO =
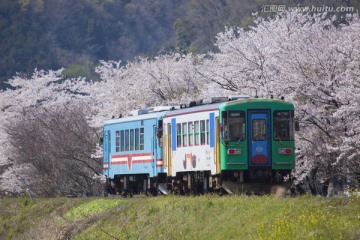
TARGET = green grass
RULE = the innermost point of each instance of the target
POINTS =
(90, 209)
(21, 218)
(173, 217)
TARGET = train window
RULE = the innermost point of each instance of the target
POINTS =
(191, 133)
(122, 141)
(283, 125)
(184, 134)
(127, 146)
(233, 126)
(202, 132)
(137, 139)
(117, 141)
(178, 134)
(196, 132)
(259, 130)
(132, 140)
(141, 138)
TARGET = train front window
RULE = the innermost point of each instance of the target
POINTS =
(283, 125)
(233, 125)
(258, 130)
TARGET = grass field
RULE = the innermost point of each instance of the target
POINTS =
(173, 217)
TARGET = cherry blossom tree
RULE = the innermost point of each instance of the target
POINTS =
(43, 91)
(314, 62)
(328, 97)
(165, 80)
(58, 145)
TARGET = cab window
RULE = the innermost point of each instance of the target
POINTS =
(233, 125)
(283, 125)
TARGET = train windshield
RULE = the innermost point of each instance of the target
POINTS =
(283, 125)
(233, 125)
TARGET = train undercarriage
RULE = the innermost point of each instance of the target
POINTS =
(251, 182)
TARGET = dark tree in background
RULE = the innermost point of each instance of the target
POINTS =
(53, 34)
(23, 45)
(203, 19)
(58, 145)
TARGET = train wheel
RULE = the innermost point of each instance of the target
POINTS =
(177, 190)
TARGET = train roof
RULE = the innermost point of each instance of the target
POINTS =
(135, 118)
(259, 101)
(216, 106)
(201, 108)
(194, 109)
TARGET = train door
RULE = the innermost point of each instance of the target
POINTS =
(259, 138)
(154, 149)
(169, 149)
(217, 145)
(106, 152)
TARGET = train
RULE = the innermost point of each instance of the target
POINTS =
(219, 144)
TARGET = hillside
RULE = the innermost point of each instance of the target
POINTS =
(172, 217)
(51, 34)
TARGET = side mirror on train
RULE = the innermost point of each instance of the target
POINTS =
(101, 141)
(297, 126)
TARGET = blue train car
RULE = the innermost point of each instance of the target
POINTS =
(132, 154)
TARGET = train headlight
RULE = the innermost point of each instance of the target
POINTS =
(236, 151)
(284, 151)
